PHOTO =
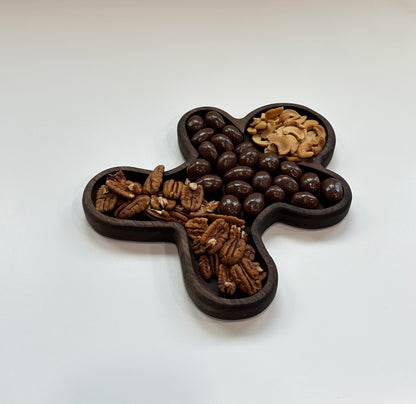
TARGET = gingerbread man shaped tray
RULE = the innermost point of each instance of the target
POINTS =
(239, 177)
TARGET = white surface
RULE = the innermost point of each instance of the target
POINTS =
(89, 85)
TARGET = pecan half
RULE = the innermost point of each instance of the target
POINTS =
(215, 236)
(192, 196)
(214, 261)
(178, 216)
(119, 185)
(232, 251)
(133, 207)
(246, 276)
(197, 248)
(206, 207)
(160, 202)
(226, 283)
(157, 214)
(229, 219)
(196, 227)
(106, 200)
(205, 266)
(154, 180)
(172, 189)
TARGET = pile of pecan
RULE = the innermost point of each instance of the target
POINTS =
(218, 240)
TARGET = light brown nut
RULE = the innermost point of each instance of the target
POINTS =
(285, 144)
(246, 276)
(196, 227)
(192, 196)
(288, 114)
(251, 131)
(309, 124)
(261, 125)
(132, 207)
(118, 184)
(271, 148)
(258, 140)
(154, 181)
(205, 266)
(320, 131)
(305, 150)
(226, 283)
(274, 112)
(298, 133)
(106, 200)
(172, 189)
(232, 251)
(215, 236)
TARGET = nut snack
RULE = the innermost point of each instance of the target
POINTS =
(218, 240)
(287, 133)
(246, 179)
(240, 175)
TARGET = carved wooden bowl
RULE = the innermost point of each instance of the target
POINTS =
(205, 293)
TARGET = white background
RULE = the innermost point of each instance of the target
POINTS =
(86, 85)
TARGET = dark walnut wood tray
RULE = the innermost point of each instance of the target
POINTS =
(205, 293)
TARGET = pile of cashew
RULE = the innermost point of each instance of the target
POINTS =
(287, 133)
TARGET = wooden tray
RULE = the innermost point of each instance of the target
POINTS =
(204, 293)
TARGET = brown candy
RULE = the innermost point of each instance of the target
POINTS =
(249, 157)
(208, 151)
(254, 204)
(305, 199)
(310, 182)
(291, 169)
(243, 173)
(222, 143)
(274, 194)
(210, 183)
(332, 189)
(243, 146)
(261, 181)
(195, 123)
(268, 162)
(215, 120)
(233, 133)
(198, 168)
(238, 188)
(288, 184)
(230, 205)
(226, 161)
(202, 135)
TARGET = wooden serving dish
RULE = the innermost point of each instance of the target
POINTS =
(204, 293)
